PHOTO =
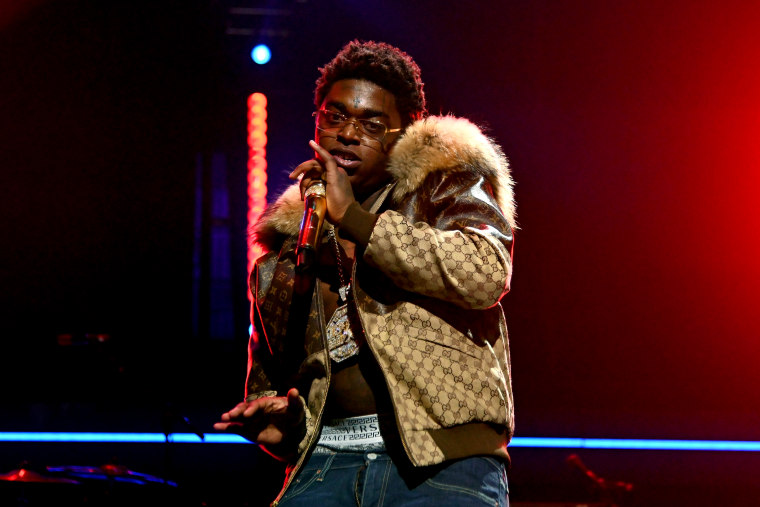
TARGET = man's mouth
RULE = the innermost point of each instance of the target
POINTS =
(346, 159)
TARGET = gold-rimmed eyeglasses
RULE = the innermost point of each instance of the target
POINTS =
(335, 121)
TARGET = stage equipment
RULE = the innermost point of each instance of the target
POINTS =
(257, 168)
(26, 474)
(108, 472)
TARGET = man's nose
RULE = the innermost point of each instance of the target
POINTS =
(350, 132)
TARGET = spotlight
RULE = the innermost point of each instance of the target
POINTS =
(261, 54)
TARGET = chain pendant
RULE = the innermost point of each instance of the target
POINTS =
(343, 294)
(340, 340)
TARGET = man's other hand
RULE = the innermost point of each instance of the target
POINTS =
(274, 422)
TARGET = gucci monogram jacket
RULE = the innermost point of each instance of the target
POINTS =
(427, 287)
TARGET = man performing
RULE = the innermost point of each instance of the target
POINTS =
(380, 371)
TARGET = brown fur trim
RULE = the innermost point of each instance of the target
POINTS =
(280, 220)
(446, 143)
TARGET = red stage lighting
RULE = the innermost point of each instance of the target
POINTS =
(257, 167)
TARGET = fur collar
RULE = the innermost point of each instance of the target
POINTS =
(435, 143)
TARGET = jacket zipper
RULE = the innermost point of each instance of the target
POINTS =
(318, 420)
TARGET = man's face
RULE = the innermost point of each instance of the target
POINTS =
(362, 157)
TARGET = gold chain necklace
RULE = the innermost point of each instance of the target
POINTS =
(340, 339)
(344, 287)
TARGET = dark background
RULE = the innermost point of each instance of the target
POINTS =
(632, 130)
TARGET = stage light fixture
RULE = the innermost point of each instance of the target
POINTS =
(261, 54)
(257, 168)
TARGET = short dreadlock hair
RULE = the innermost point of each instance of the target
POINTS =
(382, 64)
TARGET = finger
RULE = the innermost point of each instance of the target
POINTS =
(322, 154)
(264, 406)
(232, 427)
(311, 165)
(299, 169)
(308, 172)
(294, 399)
(250, 411)
(312, 175)
(235, 428)
(295, 408)
(332, 172)
(254, 407)
(237, 410)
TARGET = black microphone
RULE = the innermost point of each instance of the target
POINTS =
(314, 209)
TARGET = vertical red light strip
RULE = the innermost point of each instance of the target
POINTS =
(257, 168)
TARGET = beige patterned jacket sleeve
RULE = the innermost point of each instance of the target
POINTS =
(457, 247)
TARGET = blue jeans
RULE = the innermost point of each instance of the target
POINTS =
(371, 479)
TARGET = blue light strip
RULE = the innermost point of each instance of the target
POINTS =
(556, 443)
